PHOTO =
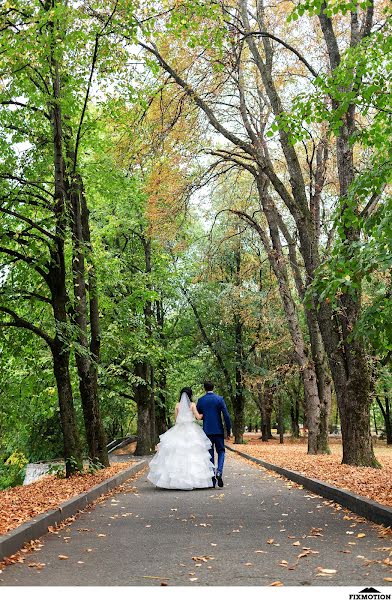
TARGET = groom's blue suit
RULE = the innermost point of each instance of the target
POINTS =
(212, 407)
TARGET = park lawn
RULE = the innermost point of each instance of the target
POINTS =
(375, 484)
(24, 502)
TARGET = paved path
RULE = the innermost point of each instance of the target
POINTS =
(243, 533)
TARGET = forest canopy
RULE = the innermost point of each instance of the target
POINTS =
(191, 190)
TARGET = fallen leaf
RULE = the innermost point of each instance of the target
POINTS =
(326, 571)
(276, 584)
(63, 557)
(296, 544)
(38, 566)
(193, 579)
(361, 535)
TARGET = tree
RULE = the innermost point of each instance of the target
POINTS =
(347, 359)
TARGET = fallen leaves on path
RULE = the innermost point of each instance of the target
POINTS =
(375, 484)
(22, 503)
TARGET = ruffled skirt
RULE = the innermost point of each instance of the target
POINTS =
(183, 461)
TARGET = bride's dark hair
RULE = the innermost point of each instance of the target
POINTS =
(187, 391)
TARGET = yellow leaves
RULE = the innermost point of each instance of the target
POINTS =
(361, 535)
(276, 584)
(63, 557)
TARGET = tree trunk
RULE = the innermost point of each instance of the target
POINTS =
(161, 416)
(324, 381)
(278, 264)
(386, 413)
(85, 362)
(265, 402)
(280, 420)
(145, 412)
(239, 400)
(294, 414)
(57, 285)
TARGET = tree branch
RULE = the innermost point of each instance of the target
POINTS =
(24, 324)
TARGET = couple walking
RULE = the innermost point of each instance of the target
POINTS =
(186, 459)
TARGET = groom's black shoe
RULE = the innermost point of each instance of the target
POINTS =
(219, 479)
(214, 481)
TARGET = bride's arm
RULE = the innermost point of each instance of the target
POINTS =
(176, 410)
(195, 412)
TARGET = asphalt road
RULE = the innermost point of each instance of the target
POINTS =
(257, 530)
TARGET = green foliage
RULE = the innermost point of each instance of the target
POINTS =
(12, 470)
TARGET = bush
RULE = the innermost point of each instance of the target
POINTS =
(12, 470)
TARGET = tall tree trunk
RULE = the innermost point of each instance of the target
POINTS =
(144, 391)
(324, 381)
(278, 264)
(87, 356)
(57, 285)
(239, 399)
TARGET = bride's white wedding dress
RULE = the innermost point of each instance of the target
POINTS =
(183, 460)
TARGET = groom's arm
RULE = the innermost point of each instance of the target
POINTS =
(226, 417)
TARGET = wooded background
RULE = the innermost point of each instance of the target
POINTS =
(193, 189)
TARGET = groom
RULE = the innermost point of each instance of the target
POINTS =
(212, 407)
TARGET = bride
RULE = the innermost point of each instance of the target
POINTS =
(183, 461)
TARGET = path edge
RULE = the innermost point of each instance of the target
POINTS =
(15, 539)
(373, 511)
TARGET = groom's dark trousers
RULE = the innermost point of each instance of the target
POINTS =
(218, 443)
(213, 408)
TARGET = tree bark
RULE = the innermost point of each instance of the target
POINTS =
(278, 265)
(239, 399)
(386, 413)
(294, 414)
(85, 308)
(145, 412)
(57, 285)
(144, 391)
